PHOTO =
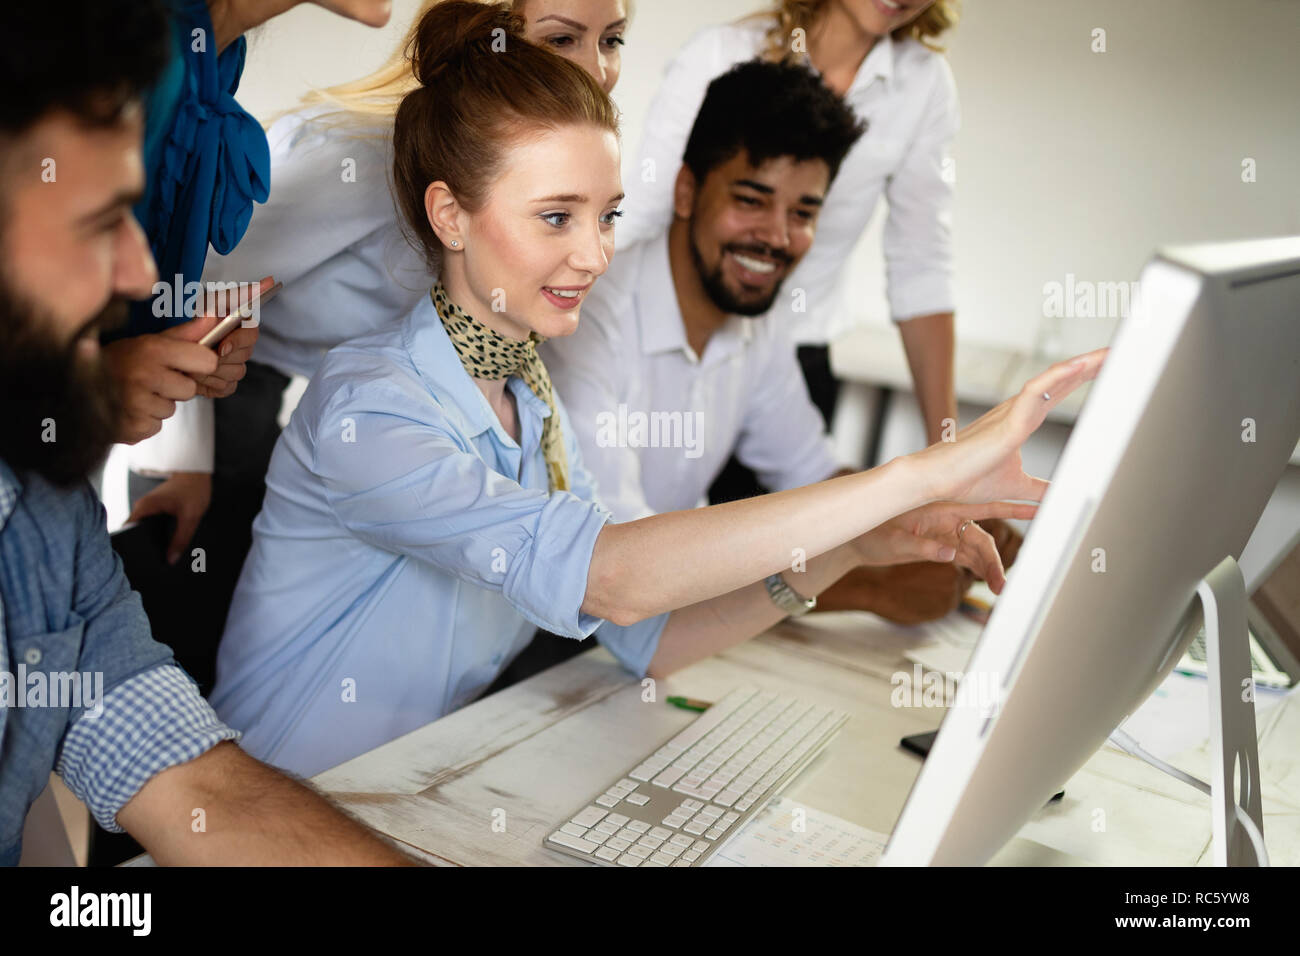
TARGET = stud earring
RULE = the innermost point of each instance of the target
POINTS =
(455, 243)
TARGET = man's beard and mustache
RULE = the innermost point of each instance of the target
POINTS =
(48, 391)
(715, 286)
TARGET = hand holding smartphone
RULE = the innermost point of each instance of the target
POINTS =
(236, 318)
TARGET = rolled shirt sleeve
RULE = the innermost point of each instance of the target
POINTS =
(155, 720)
(917, 237)
(633, 645)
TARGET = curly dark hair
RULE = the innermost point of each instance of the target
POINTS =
(90, 57)
(770, 110)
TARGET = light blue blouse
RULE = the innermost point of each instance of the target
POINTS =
(405, 553)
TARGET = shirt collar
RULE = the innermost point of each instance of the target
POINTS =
(10, 489)
(659, 315)
(434, 357)
(878, 64)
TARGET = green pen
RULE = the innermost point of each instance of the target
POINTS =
(690, 703)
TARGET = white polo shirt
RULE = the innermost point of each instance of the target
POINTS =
(655, 422)
(907, 96)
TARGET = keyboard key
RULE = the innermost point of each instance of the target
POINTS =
(572, 842)
(692, 804)
(604, 826)
(617, 843)
(730, 817)
(671, 849)
(694, 827)
(639, 851)
(573, 830)
(617, 819)
(640, 826)
(690, 856)
(596, 836)
(743, 805)
(711, 813)
(700, 846)
(650, 863)
(605, 800)
(607, 853)
(680, 839)
(628, 859)
(663, 859)
(641, 773)
(590, 817)
(653, 843)
(640, 799)
(661, 833)
(681, 863)
(668, 777)
(714, 833)
(626, 784)
(674, 821)
(728, 797)
(627, 833)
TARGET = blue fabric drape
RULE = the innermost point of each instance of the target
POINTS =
(207, 161)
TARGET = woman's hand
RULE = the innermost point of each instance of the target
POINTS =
(943, 531)
(185, 496)
(984, 464)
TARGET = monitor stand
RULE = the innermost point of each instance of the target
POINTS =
(1233, 744)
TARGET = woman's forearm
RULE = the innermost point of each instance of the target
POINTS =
(928, 341)
(711, 626)
(669, 561)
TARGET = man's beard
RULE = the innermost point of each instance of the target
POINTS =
(715, 286)
(59, 412)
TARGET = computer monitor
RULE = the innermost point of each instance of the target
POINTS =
(1183, 437)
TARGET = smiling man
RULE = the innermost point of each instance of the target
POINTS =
(683, 358)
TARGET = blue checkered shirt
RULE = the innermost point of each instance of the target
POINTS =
(151, 716)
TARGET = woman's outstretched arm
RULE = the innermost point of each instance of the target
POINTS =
(644, 568)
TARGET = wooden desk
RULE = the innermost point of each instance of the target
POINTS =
(537, 750)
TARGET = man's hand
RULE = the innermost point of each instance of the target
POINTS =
(154, 372)
(186, 496)
(906, 594)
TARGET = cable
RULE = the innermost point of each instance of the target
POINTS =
(1126, 743)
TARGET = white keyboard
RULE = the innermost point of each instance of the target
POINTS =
(684, 801)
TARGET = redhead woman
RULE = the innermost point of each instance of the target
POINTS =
(331, 233)
(427, 506)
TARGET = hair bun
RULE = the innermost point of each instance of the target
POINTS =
(453, 30)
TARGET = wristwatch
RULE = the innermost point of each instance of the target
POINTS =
(786, 598)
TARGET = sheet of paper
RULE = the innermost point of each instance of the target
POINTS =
(770, 839)
(1176, 717)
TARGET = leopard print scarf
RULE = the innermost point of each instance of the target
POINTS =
(488, 354)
